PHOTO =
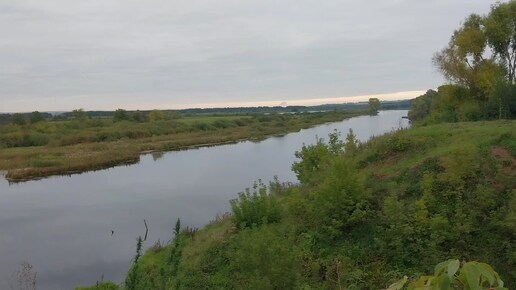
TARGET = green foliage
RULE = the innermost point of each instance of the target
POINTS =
(133, 280)
(452, 275)
(421, 106)
(454, 103)
(79, 115)
(36, 117)
(264, 258)
(502, 105)
(340, 201)
(104, 143)
(19, 119)
(156, 115)
(224, 124)
(500, 33)
(315, 157)
(201, 126)
(434, 192)
(176, 249)
(481, 61)
(352, 143)
(374, 106)
(364, 216)
(255, 208)
(139, 116)
(121, 115)
(101, 286)
(463, 61)
(177, 229)
(81, 130)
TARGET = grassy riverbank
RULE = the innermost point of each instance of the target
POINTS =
(363, 217)
(66, 147)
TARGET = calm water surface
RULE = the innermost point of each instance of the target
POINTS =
(62, 225)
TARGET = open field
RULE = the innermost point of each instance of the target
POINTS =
(65, 147)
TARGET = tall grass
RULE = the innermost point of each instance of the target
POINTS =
(66, 147)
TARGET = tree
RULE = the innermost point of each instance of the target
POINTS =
(481, 56)
(121, 115)
(374, 106)
(79, 114)
(156, 115)
(36, 117)
(464, 61)
(421, 106)
(173, 115)
(315, 157)
(19, 119)
(500, 33)
(482, 50)
(351, 142)
(139, 116)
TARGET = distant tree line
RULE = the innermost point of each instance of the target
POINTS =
(24, 118)
(157, 115)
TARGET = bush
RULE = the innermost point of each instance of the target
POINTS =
(341, 201)
(223, 123)
(314, 158)
(264, 258)
(252, 209)
(201, 126)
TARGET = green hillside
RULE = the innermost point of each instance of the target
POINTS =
(363, 216)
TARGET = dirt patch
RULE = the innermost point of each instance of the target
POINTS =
(501, 153)
(506, 160)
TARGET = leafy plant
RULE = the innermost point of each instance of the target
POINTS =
(315, 157)
(133, 278)
(452, 275)
(254, 208)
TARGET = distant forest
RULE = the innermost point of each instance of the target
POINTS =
(34, 117)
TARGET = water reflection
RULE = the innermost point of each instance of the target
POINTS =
(62, 225)
(157, 155)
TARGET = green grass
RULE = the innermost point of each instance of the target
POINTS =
(211, 119)
(64, 147)
(101, 286)
(438, 140)
(397, 206)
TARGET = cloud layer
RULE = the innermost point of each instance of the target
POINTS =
(105, 54)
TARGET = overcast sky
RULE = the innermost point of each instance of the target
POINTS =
(108, 54)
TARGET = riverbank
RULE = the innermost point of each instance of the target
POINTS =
(79, 147)
(395, 206)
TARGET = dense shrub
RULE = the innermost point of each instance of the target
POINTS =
(255, 208)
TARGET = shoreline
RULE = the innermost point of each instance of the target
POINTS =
(121, 163)
(82, 158)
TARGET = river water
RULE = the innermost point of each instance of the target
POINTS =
(76, 230)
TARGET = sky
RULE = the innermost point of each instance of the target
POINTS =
(58, 55)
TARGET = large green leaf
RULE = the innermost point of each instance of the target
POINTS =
(442, 282)
(453, 267)
(471, 276)
(398, 285)
(487, 274)
(439, 268)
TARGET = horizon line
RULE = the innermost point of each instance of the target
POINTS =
(396, 96)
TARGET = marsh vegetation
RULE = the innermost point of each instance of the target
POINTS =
(43, 148)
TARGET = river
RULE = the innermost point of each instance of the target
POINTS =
(76, 230)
